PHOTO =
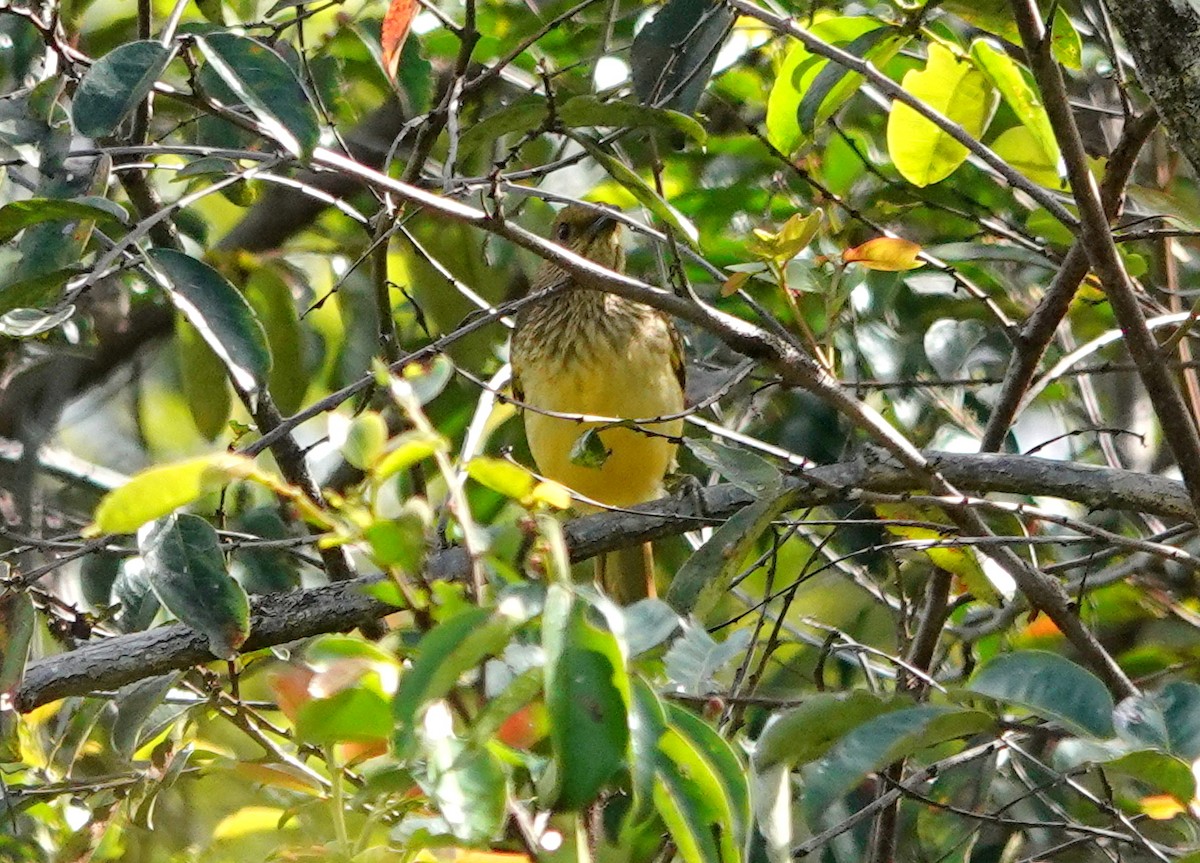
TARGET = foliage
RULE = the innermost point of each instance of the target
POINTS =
(260, 258)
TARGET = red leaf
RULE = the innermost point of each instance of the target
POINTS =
(396, 24)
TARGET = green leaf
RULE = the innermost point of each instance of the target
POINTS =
(1168, 720)
(523, 116)
(24, 323)
(1065, 41)
(359, 713)
(468, 786)
(267, 570)
(131, 590)
(1050, 686)
(727, 768)
(672, 56)
(696, 657)
(502, 476)
(186, 568)
(18, 621)
(589, 450)
(1162, 772)
(1014, 86)
(271, 299)
(267, 86)
(648, 724)
(18, 215)
(705, 576)
(648, 623)
(587, 695)
(365, 439)
(407, 449)
(693, 800)
(922, 152)
(883, 740)
(203, 380)
(116, 84)
(447, 652)
(135, 704)
(751, 473)
(799, 69)
(834, 83)
(594, 111)
(807, 732)
(219, 312)
(645, 196)
(157, 491)
(1021, 149)
(520, 692)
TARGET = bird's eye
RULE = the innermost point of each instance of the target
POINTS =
(564, 231)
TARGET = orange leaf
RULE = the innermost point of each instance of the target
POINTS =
(890, 254)
(396, 24)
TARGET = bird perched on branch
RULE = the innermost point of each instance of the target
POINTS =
(588, 352)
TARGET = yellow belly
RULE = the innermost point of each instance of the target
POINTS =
(635, 384)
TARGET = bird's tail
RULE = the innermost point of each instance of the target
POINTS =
(627, 574)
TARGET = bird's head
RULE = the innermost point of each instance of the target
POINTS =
(592, 235)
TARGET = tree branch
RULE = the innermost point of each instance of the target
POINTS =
(286, 617)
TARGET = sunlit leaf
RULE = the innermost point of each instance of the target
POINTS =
(890, 254)
(158, 491)
(396, 23)
(922, 152)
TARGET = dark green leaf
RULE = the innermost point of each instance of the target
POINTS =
(1168, 720)
(673, 55)
(17, 624)
(186, 569)
(271, 298)
(593, 111)
(135, 703)
(805, 733)
(749, 472)
(589, 450)
(587, 695)
(18, 215)
(131, 589)
(885, 739)
(704, 578)
(115, 84)
(221, 314)
(267, 570)
(202, 380)
(267, 86)
(647, 726)
(692, 802)
(834, 84)
(1050, 686)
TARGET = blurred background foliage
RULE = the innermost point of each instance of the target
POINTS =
(177, 248)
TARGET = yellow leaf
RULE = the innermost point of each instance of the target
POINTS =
(890, 254)
(734, 284)
(251, 819)
(552, 494)
(1162, 807)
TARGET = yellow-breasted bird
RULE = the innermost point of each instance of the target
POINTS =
(588, 352)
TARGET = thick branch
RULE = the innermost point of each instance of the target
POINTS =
(1179, 427)
(1039, 328)
(281, 618)
(1164, 38)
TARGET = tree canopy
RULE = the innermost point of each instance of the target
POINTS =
(927, 573)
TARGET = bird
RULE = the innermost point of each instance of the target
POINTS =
(583, 351)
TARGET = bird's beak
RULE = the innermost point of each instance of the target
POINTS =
(600, 225)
